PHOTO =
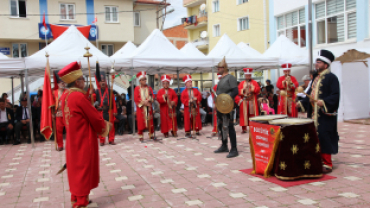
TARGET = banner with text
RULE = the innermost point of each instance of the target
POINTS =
(264, 138)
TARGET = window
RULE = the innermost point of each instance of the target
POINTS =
(292, 25)
(111, 14)
(216, 30)
(107, 49)
(136, 18)
(335, 21)
(215, 6)
(19, 50)
(243, 23)
(241, 1)
(67, 11)
(18, 8)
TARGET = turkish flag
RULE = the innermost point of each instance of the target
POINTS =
(43, 21)
(57, 30)
(48, 102)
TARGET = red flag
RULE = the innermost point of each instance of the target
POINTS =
(95, 20)
(46, 125)
(43, 22)
(57, 30)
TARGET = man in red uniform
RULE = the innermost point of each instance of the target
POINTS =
(287, 85)
(102, 96)
(83, 122)
(191, 99)
(143, 97)
(58, 91)
(167, 99)
(248, 91)
(214, 130)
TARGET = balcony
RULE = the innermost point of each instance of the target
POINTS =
(201, 21)
(201, 43)
(193, 3)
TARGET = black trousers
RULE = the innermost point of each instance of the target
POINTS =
(5, 134)
(232, 133)
(18, 129)
(121, 124)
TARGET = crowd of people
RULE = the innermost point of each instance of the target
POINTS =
(266, 100)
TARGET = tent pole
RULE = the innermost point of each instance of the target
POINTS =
(236, 74)
(213, 84)
(13, 92)
(178, 81)
(132, 101)
(22, 83)
(29, 108)
(201, 81)
(310, 35)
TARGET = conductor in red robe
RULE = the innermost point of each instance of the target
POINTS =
(287, 85)
(191, 99)
(83, 123)
(58, 91)
(143, 97)
(214, 130)
(248, 105)
(167, 99)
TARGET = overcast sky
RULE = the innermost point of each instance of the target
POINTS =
(175, 17)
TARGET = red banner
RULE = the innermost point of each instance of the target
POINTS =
(57, 30)
(264, 140)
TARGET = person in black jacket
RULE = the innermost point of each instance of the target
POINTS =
(23, 119)
(322, 108)
(6, 122)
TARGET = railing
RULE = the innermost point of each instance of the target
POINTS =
(202, 17)
(201, 41)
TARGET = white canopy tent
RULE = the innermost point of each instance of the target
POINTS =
(68, 47)
(249, 51)
(287, 52)
(235, 57)
(190, 50)
(121, 58)
(158, 53)
(2, 56)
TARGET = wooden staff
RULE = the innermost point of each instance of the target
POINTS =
(52, 109)
(88, 55)
(111, 100)
(173, 119)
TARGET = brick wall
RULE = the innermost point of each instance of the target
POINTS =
(177, 35)
(176, 31)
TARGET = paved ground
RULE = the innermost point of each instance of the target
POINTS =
(180, 174)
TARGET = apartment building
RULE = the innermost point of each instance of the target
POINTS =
(337, 25)
(242, 20)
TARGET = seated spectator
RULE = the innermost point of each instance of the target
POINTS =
(129, 114)
(36, 118)
(121, 115)
(23, 119)
(266, 108)
(4, 96)
(6, 122)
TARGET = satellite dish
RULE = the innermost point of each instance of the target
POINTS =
(203, 34)
(202, 7)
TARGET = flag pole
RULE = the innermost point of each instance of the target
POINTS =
(88, 55)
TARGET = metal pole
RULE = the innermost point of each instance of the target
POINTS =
(236, 74)
(178, 82)
(13, 91)
(201, 81)
(29, 108)
(310, 34)
(22, 84)
(132, 101)
(213, 84)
